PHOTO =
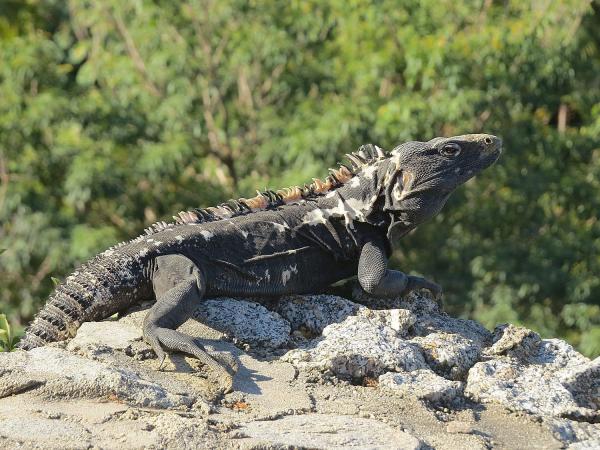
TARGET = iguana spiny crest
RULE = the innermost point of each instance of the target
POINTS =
(366, 155)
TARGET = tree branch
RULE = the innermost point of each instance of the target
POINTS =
(134, 54)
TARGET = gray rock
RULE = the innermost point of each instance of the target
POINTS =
(459, 427)
(315, 312)
(247, 321)
(448, 354)
(543, 377)
(518, 342)
(48, 433)
(532, 388)
(62, 374)
(328, 431)
(429, 317)
(584, 384)
(580, 435)
(423, 384)
(359, 346)
(399, 320)
(114, 335)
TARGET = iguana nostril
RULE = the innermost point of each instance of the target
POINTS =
(488, 140)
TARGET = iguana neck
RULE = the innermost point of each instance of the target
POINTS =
(359, 200)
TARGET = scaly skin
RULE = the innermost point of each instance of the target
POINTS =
(298, 242)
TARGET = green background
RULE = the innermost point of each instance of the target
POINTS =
(114, 114)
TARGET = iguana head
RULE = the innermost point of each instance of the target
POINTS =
(422, 175)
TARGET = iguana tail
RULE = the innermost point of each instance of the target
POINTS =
(106, 284)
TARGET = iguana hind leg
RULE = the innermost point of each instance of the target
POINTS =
(179, 287)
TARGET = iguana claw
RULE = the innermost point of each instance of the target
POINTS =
(415, 283)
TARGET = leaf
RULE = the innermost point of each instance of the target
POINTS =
(56, 281)
(4, 326)
(2, 250)
(5, 337)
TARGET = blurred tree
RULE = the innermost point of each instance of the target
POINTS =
(114, 114)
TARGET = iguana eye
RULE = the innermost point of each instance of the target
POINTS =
(450, 150)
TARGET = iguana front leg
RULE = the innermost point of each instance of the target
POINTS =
(179, 287)
(375, 278)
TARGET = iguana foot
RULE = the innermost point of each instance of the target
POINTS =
(415, 283)
(161, 339)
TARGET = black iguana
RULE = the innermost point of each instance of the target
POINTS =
(295, 240)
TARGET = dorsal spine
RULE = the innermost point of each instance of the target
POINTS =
(365, 155)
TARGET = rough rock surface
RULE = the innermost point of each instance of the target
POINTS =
(247, 321)
(423, 384)
(332, 432)
(360, 346)
(314, 312)
(316, 371)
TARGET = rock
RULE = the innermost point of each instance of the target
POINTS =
(423, 384)
(420, 305)
(448, 354)
(62, 374)
(399, 320)
(518, 342)
(584, 384)
(458, 427)
(115, 335)
(315, 312)
(359, 346)
(102, 388)
(518, 387)
(533, 375)
(48, 432)
(247, 321)
(328, 431)
(580, 435)
(543, 377)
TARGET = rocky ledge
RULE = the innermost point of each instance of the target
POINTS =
(314, 371)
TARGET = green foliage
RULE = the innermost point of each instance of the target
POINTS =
(116, 114)
(7, 339)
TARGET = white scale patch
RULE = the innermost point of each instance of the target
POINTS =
(244, 233)
(351, 209)
(207, 235)
(355, 182)
(370, 171)
(357, 208)
(287, 274)
(179, 239)
(143, 252)
(267, 275)
(315, 217)
(280, 227)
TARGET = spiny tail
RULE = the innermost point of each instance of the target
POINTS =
(98, 289)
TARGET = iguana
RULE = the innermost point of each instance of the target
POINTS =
(294, 240)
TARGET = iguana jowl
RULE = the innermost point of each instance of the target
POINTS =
(296, 240)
